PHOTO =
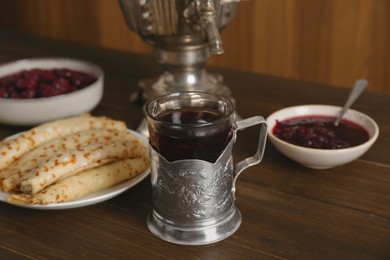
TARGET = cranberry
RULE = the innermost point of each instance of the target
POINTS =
(29, 93)
(61, 85)
(36, 83)
(3, 93)
(47, 90)
(48, 76)
(320, 132)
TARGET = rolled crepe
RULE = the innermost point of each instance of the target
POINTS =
(85, 183)
(78, 159)
(12, 149)
(55, 148)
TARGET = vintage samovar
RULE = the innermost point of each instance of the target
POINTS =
(184, 34)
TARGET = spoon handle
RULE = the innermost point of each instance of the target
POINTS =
(360, 86)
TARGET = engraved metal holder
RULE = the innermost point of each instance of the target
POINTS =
(184, 34)
(193, 200)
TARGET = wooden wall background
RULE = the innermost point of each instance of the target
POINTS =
(326, 41)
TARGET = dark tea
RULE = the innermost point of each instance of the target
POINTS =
(190, 133)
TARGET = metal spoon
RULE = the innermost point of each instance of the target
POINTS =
(360, 86)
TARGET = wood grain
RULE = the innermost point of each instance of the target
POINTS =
(325, 41)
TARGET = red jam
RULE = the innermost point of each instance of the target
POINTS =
(320, 132)
(37, 83)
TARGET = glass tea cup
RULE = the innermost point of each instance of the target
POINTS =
(191, 137)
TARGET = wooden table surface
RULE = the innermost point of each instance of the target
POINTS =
(289, 211)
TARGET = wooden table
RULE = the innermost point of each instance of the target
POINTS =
(289, 211)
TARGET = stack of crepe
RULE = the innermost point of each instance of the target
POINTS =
(68, 159)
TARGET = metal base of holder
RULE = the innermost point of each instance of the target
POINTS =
(195, 233)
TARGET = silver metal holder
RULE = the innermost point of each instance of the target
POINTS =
(193, 200)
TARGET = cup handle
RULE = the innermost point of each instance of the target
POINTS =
(255, 159)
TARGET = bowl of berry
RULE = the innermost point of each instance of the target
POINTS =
(308, 135)
(37, 90)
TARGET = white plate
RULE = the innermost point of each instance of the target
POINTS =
(93, 198)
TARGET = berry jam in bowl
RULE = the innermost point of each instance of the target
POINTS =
(38, 90)
(307, 135)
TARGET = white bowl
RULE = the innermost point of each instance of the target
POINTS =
(321, 158)
(35, 111)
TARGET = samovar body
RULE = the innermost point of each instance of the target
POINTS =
(184, 34)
